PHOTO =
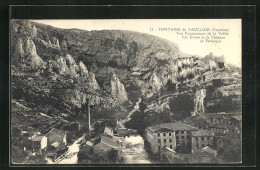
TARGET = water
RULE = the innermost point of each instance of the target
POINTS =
(134, 152)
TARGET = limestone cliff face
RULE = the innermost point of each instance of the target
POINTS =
(63, 45)
(83, 61)
(199, 108)
(18, 50)
(156, 83)
(72, 66)
(92, 82)
(61, 65)
(118, 89)
(25, 53)
(83, 70)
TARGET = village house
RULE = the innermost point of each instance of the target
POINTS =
(214, 122)
(39, 143)
(169, 135)
(107, 142)
(56, 138)
(202, 138)
(214, 118)
(218, 128)
(199, 122)
(204, 155)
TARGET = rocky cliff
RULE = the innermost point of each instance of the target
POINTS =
(110, 67)
(118, 89)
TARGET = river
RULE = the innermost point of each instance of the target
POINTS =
(134, 152)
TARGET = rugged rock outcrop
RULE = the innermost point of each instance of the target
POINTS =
(118, 89)
(92, 82)
(83, 70)
(25, 53)
(199, 108)
(72, 66)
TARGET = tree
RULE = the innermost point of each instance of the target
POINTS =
(181, 106)
(232, 148)
(37, 159)
(112, 155)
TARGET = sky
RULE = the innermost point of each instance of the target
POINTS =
(230, 47)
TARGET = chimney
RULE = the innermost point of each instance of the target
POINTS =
(88, 116)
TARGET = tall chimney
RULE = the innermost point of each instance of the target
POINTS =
(88, 116)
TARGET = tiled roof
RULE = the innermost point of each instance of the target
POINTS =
(172, 126)
(202, 133)
(55, 144)
(209, 150)
(57, 132)
(213, 115)
(110, 142)
(218, 125)
(196, 121)
(37, 138)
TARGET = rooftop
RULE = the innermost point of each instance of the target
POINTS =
(209, 150)
(218, 125)
(171, 126)
(57, 132)
(196, 121)
(55, 144)
(37, 138)
(213, 115)
(202, 133)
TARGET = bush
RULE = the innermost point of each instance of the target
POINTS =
(182, 106)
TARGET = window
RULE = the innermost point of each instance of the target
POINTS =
(182, 137)
(159, 147)
(164, 146)
(159, 140)
(188, 137)
(171, 146)
(177, 132)
(170, 134)
(164, 140)
(182, 132)
(164, 134)
(202, 145)
(177, 137)
(158, 134)
(183, 144)
(197, 145)
(208, 137)
(170, 140)
(202, 138)
(196, 138)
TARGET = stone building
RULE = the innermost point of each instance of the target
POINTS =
(202, 138)
(39, 143)
(169, 135)
(214, 118)
(107, 142)
(56, 137)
